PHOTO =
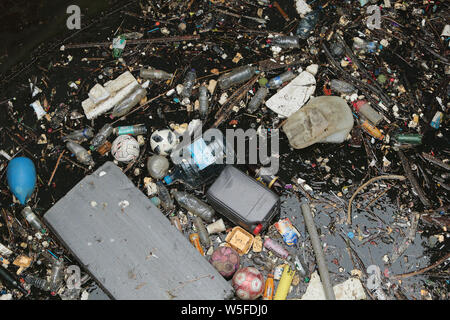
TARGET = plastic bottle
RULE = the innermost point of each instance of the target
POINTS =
(337, 49)
(285, 41)
(194, 205)
(188, 83)
(32, 219)
(202, 232)
(131, 130)
(368, 112)
(37, 282)
(8, 279)
(268, 288)
(164, 196)
(59, 116)
(271, 181)
(57, 275)
(372, 130)
(194, 239)
(276, 248)
(118, 45)
(280, 79)
(101, 136)
(237, 76)
(155, 74)
(203, 99)
(342, 86)
(300, 267)
(199, 162)
(81, 153)
(257, 99)
(79, 135)
(129, 102)
(307, 24)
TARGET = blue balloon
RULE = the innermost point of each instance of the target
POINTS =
(21, 176)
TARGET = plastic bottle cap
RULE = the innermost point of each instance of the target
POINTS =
(257, 229)
(168, 179)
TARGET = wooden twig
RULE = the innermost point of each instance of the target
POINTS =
(420, 271)
(390, 176)
(56, 167)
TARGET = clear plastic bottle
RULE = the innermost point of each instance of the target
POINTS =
(188, 83)
(155, 74)
(199, 162)
(203, 99)
(279, 80)
(81, 153)
(368, 112)
(131, 130)
(129, 102)
(194, 205)
(79, 135)
(101, 136)
(237, 76)
(307, 24)
(32, 219)
(257, 99)
(56, 275)
(286, 41)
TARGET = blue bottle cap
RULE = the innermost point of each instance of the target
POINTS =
(168, 179)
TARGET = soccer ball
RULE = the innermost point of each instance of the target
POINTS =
(125, 148)
(248, 283)
(163, 142)
(225, 260)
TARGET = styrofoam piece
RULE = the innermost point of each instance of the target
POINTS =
(40, 112)
(132, 251)
(98, 93)
(293, 96)
(302, 7)
(351, 289)
(117, 89)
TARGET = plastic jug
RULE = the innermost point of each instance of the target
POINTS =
(323, 119)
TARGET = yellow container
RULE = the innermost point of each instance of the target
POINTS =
(285, 283)
(372, 130)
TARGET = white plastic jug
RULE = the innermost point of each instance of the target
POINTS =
(323, 119)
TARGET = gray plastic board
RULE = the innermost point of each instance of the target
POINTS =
(128, 245)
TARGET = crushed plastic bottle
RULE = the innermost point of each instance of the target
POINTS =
(164, 197)
(257, 99)
(32, 219)
(155, 74)
(203, 100)
(79, 135)
(342, 86)
(368, 112)
(129, 102)
(237, 76)
(131, 130)
(202, 232)
(194, 205)
(118, 45)
(188, 83)
(285, 41)
(101, 136)
(307, 24)
(39, 283)
(81, 153)
(280, 79)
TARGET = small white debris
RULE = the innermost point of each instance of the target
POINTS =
(123, 204)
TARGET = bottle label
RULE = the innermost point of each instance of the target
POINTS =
(125, 130)
(201, 154)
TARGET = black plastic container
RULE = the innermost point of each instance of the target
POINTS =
(243, 200)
